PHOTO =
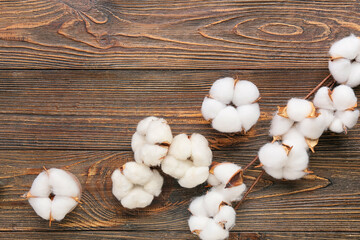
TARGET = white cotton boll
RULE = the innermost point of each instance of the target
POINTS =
(312, 127)
(231, 194)
(212, 202)
(144, 124)
(276, 173)
(151, 155)
(228, 120)
(121, 185)
(322, 99)
(201, 152)
(198, 223)
(137, 141)
(180, 147)
(155, 184)
(328, 116)
(61, 206)
(194, 176)
(298, 109)
(40, 187)
(245, 93)
(272, 155)
(294, 138)
(340, 69)
(211, 107)
(290, 174)
(280, 125)
(175, 168)
(298, 159)
(226, 216)
(212, 180)
(343, 97)
(213, 231)
(137, 173)
(337, 126)
(354, 76)
(223, 90)
(137, 198)
(64, 183)
(159, 132)
(348, 47)
(41, 206)
(224, 171)
(197, 207)
(348, 118)
(249, 115)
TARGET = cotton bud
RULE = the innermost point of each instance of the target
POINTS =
(135, 185)
(223, 90)
(312, 127)
(344, 120)
(231, 194)
(275, 172)
(280, 125)
(337, 126)
(328, 115)
(298, 159)
(249, 114)
(198, 223)
(213, 231)
(54, 193)
(197, 207)
(245, 93)
(322, 99)
(348, 47)
(194, 176)
(223, 172)
(151, 141)
(299, 109)
(273, 155)
(294, 138)
(226, 216)
(290, 174)
(354, 76)
(228, 120)
(343, 97)
(175, 168)
(180, 148)
(212, 202)
(340, 69)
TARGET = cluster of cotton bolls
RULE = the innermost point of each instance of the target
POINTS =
(231, 105)
(212, 214)
(54, 193)
(184, 158)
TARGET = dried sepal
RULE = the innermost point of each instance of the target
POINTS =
(313, 113)
(352, 108)
(213, 166)
(282, 112)
(287, 148)
(236, 180)
(335, 58)
(330, 92)
(308, 171)
(196, 232)
(311, 143)
(276, 138)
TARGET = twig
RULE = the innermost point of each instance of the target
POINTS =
(251, 163)
(318, 86)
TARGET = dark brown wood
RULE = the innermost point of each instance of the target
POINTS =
(196, 34)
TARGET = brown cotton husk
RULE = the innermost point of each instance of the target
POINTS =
(352, 108)
(313, 113)
(236, 180)
(282, 112)
(287, 148)
(213, 166)
(312, 143)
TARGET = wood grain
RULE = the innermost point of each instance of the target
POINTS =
(216, 34)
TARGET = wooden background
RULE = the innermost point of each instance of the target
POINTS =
(77, 76)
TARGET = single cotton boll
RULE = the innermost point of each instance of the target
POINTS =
(272, 155)
(298, 159)
(231, 194)
(64, 183)
(348, 118)
(224, 171)
(152, 155)
(328, 116)
(212, 202)
(180, 147)
(294, 138)
(155, 184)
(280, 125)
(228, 120)
(137, 173)
(212, 180)
(340, 69)
(61, 206)
(197, 207)
(354, 77)
(245, 93)
(137, 198)
(226, 216)
(290, 174)
(347, 47)
(312, 127)
(201, 152)
(121, 185)
(276, 173)
(298, 109)
(175, 168)
(211, 107)
(41, 186)
(41, 206)
(343, 97)
(249, 114)
(197, 223)
(322, 99)
(223, 90)
(337, 126)
(213, 231)
(137, 141)
(194, 176)
(159, 132)
(144, 124)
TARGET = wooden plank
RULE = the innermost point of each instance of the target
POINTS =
(144, 235)
(100, 109)
(327, 201)
(196, 34)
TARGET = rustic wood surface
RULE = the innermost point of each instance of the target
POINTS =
(77, 76)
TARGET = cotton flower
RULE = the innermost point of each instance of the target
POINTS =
(344, 65)
(151, 141)
(343, 97)
(280, 125)
(135, 185)
(322, 99)
(54, 193)
(299, 109)
(231, 105)
(188, 160)
(273, 155)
